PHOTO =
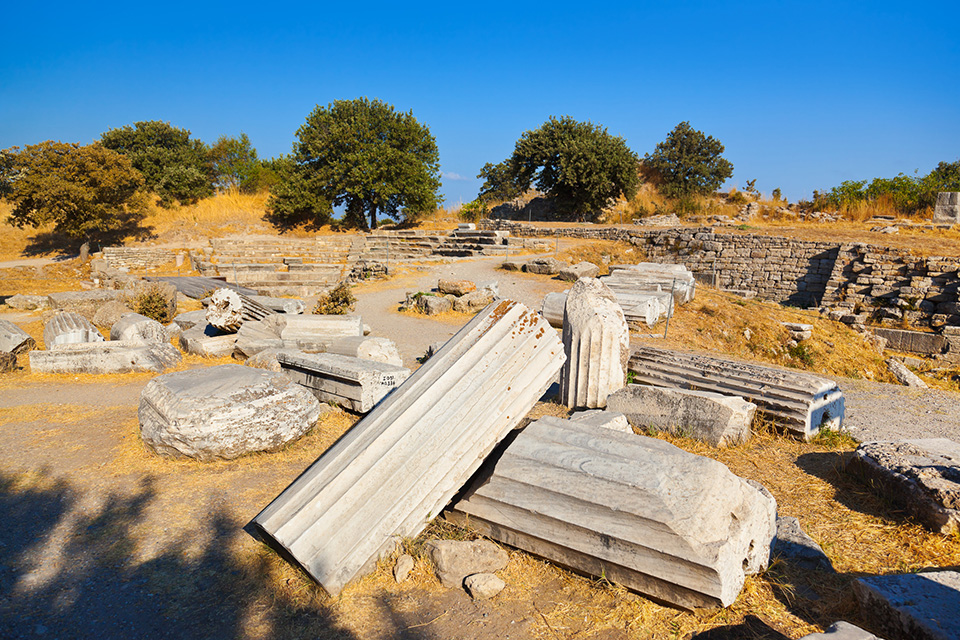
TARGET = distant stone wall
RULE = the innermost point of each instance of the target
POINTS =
(136, 257)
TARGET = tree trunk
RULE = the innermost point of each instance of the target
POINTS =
(373, 216)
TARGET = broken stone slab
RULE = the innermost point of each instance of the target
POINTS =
(109, 313)
(601, 418)
(368, 348)
(903, 375)
(454, 560)
(483, 586)
(921, 476)
(914, 606)
(191, 319)
(800, 402)
(69, 328)
(309, 332)
(208, 341)
(13, 339)
(27, 302)
(266, 359)
(352, 383)
(511, 265)
(224, 412)
(647, 277)
(638, 511)
(8, 362)
(579, 270)
(227, 310)
(473, 302)
(947, 208)
(552, 308)
(433, 305)
(842, 631)
(639, 309)
(596, 341)
(134, 327)
(546, 266)
(280, 305)
(395, 470)
(106, 357)
(796, 546)
(456, 287)
(199, 287)
(255, 336)
(719, 420)
(85, 303)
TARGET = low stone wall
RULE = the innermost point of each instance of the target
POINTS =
(136, 257)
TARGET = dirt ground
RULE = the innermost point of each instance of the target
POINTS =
(100, 538)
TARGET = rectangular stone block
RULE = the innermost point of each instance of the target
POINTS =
(912, 341)
(106, 357)
(352, 383)
(312, 332)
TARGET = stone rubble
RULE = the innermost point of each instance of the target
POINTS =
(454, 560)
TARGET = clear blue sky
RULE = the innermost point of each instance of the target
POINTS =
(803, 95)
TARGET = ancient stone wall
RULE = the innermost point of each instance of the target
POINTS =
(136, 257)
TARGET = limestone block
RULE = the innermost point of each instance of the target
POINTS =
(918, 606)
(191, 319)
(109, 313)
(511, 265)
(433, 305)
(947, 209)
(8, 362)
(254, 336)
(69, 328)
(841, 631)
(313, 332)
(596, 342)
(579, 270)
(223, 412)
(922, 476)
(26, 302)
(134, 327)
(638, 511)
(84, 303)
(395, 470)
(456, 287)
(454, 560)
(368, 348)
(716, 419)
(648, 277)
(280, 305)
(13, 339)
(207, 341)
(546, 266)
(352, 383)
(912, 341)
(903, 375)
(796, 546)
(605, 419)
(473, 302)
(106, 357)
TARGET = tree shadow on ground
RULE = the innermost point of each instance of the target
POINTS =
(70, 568)
(752, 628)
(65, 246)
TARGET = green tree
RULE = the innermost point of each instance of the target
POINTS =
(577, 164)
(498, 183)
(687, 163)
(173, 166)
(362, 155)
(84, 191)
(235, 164)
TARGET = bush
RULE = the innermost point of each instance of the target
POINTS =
(150, 301)
(337, 302)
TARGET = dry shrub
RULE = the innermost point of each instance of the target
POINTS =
(338, 301)
(602, 253)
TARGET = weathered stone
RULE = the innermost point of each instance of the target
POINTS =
(552, 308)
(310, 332)
(227, 310)
(134, 327)
(454, 560)
(280, 305)
(106, 357)
(922, 476)
(511, 265)
(224, 412)
(352, 383)
(490, 286)
(109, 313)
(401, 570)
(266, 359)
(473, 302)
(596, 342)
(8, 362)
(719, 420)
(207, 341)
(639, 511)
(456, 287)
(69, 328)
(842, 631)
(254, 336)
(13, 339)
(85, 303)
(639, 309)
(913, 606)
(433, 305)
(26, 302)
(647, 277)
(377, 349)
(904, 375)
(603, 419)
(483, 586)
(191, 319)
(796, 546)
(912, 341)
(545, 266)
(947, 209)
(579, 270)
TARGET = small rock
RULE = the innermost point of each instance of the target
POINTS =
(454, 560)
(747, 334)
(401, 571)
(482, 586)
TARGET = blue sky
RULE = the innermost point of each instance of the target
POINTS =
(803, 95)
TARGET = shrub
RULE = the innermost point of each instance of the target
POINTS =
(336, 302)
(151, 302)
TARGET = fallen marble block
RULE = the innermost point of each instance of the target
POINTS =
(137, 328)
(579, 270)
(903, 375)
(280, 305)
(224, 412)
(208, 341)
(473, 301)
(546, 266)
(27, 302)
(638, 511)
(800, 402)
(913, 606)
(69, 328)
(85, 303)
(652, 276)
(352, 383)
(921, 476)
(397, 468)
(13, 339)
(552, 308)
(604, 419)
(227, 310)
(110, 313)
(255, 336)
(713, 418)
(312, 332)
(190, 319)
(639, 309)
(368, 348)
(106, 357)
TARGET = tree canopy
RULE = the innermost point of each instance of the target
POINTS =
(234, 163)
(362, 155)
(84, 191)
(173, 166)
(578, 164)
(687, 163)
(906, 194)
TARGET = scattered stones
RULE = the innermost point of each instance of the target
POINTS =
(208, 341)
(223, 412)
(13, 339)
(545, 266)
(663, 220)
(799, 332)
(579, 270)
(483, 586)
(922, 476)
(352, 383)
(401, 570)
(914, 606)
(69, 328)
(842, 631)
(603, 419)
(8, 362)
(796, 546)
(596, 341)
(903, 375)
(134, 327)
(109, 313)
(454, 560)
(377, 349)
(106, 357)
(719, 420)
(26, 302)
(456, 287)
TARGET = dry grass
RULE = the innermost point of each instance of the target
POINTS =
(601, 253)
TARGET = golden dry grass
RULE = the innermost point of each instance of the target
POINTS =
(600, 252)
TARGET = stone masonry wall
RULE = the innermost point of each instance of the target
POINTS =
(136, 257)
